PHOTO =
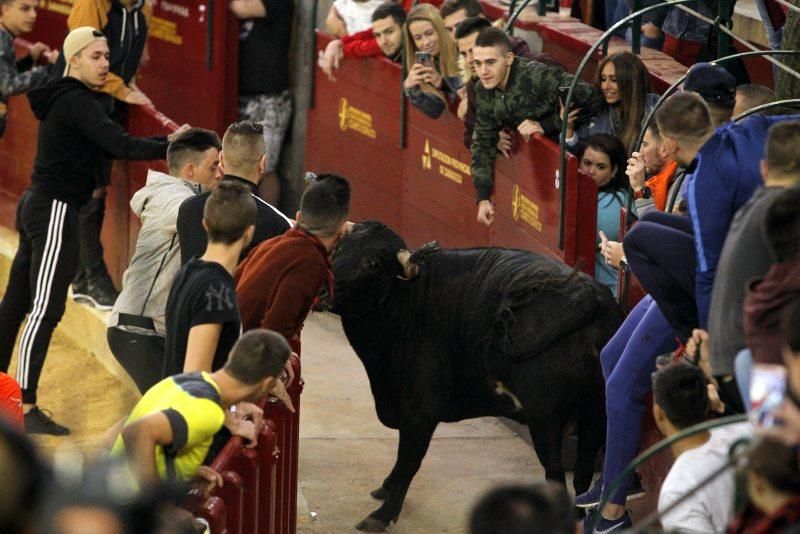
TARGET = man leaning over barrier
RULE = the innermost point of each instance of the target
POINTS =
(171, 428)
(513, 93)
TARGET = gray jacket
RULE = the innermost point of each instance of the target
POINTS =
(156, 205)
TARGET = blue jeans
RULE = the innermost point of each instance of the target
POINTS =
(628, 361)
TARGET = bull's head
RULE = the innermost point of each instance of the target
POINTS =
(366, 265)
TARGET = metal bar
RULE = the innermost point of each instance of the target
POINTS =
(744, 42)
(658, 447)
(787, 4)
(513, 16)
(210, 35)
(636, 28)
(723, 19)
(562, 170)
(654, 516)
(649, 117)
(511, 8)
(793, 102)
(314, 11)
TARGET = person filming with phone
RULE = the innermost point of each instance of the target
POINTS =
(433, 78)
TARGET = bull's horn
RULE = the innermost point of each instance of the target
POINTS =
(410, 270)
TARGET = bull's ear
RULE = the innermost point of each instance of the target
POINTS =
(410, 270)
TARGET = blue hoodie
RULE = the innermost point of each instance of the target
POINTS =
(723, 176)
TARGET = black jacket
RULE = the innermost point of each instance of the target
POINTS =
(74, 132)
(193, 238)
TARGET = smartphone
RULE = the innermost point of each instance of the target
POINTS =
(562, 95)
(423, 58)
(767, 388)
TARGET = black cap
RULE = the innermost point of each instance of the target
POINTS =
(715, 84)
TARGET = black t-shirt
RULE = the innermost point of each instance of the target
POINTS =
(193, 238)
(264, 50)
(203, 293)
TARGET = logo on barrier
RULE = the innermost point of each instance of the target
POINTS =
(352, 118)
(449, 167)
(524, 208)
(426, 156)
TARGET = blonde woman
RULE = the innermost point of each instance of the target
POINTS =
(431, 61)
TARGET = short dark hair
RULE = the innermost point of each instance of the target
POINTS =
(492, 36)
(390, 9)
(26, 477)
(782, 225)
(325, 205)
(755, 95)
(777, 463)
(681, 391)
(473, 8)
(189, 147)
(229, 211)
(781, 154)
(257, 355)
(470, 25)
(684, 116)
(543, 508)
(242, 146)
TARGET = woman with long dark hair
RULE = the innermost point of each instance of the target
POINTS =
(604, 160)
(624, 82)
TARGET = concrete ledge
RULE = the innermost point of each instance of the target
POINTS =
(83, 325)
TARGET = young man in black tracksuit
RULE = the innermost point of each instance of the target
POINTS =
(73, 133)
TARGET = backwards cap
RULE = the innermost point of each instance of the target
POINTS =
(77, 40)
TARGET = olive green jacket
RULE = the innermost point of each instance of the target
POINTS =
(531, 93)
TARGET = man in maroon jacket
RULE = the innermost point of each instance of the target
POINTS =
(278, 281)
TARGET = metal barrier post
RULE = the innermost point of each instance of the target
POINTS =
(723, 18)
(636, 28)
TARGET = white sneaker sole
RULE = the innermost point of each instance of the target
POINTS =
(83, 298)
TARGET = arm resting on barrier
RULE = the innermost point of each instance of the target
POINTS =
(141, 439)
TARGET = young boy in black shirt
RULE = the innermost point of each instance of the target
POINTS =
(202, 315)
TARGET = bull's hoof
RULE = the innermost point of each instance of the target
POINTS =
(381, 494)
(372, 524)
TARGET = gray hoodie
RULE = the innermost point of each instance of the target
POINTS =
(156, 205)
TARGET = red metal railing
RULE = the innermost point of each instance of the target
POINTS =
(259, 493)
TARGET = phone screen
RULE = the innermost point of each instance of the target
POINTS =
(767, 388)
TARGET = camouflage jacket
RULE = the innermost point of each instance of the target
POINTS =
(531, 93)
(16, 76)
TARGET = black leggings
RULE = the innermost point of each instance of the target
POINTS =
(41, 272)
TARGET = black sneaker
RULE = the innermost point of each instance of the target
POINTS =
(100, 293)
(80, 289)
(41, 422)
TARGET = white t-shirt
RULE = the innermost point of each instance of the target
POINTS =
(357, 16)
(710, 509)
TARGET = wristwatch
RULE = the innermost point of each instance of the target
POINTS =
(644, 192)
(623, 264)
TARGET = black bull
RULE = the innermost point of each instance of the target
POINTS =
(447, 335)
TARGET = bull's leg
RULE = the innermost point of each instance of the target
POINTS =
(414, 443)
(591, 436)
(547, 433)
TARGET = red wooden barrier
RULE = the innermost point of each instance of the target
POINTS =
(259, 494)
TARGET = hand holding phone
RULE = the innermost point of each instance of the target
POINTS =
(423, 58)
(767, 389)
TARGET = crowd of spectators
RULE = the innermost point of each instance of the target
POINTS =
(712, 235)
